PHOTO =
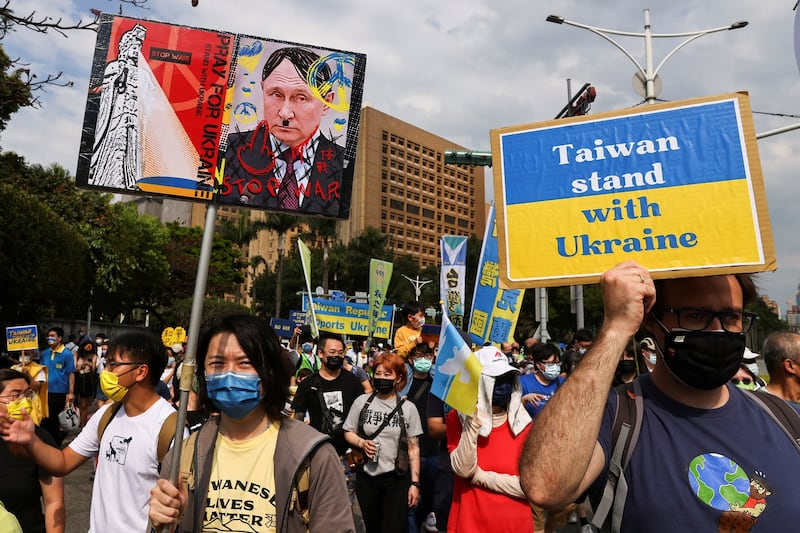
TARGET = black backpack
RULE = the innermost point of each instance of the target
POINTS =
(625, 434)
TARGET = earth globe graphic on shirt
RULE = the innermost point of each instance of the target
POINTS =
(718, 481)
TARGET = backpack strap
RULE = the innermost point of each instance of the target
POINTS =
(783, 414)
(166, 435)
(624, 435)
(363, 412)
(188, 463)
(300, 490)
(108, 414)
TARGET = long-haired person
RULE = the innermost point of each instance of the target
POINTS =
(281, 474)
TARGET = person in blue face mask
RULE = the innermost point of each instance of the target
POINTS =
(539, 386)
(251, 453)
(421, 359)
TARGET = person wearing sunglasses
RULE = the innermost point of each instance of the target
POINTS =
(25, 489)
(745, 379)
(692, 467)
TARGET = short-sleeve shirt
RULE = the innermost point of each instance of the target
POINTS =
(338, 395)
(241, 491)
(530, 384)
(389, 437)
(127, 466)
(60, 364)
(705, 469)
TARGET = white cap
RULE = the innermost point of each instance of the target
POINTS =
(749, 356)
(494, 362)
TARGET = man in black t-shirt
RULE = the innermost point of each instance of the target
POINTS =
(328, 393)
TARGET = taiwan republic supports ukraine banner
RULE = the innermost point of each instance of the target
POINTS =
(455, 381)
(453, 273)
(494, 309)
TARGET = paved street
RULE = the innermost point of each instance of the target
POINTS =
(78, 497)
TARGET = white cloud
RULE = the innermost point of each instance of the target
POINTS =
(462, 69)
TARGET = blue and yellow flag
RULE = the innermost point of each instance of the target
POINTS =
(457, 371)
(495, 309)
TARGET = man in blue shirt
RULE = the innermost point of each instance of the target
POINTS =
(60, 363)
(539, 386)
(708, 458)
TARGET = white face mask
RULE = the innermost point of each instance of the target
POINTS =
(653, 358)
(420, 322)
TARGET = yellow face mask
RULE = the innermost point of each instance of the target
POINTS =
(109, 384)
(30, 403)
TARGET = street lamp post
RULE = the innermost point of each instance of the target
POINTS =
(647, 76)
(418, 284)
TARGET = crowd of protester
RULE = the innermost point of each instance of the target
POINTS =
(319, 435)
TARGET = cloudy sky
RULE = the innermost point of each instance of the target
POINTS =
(460, 69)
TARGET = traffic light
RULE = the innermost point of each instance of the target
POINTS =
(468, 158)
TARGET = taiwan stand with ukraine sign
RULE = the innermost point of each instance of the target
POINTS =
(676, 187)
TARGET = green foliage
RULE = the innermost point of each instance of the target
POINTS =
(767, 323)
(182, 250)
(180, 311)
(14, 91)
(43, 261)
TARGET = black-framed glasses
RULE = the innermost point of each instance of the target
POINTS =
(744, 381)
(114, 364)
(699, 319)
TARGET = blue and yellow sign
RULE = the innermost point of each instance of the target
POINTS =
(348, 318)
(676, 187)
(22, 338)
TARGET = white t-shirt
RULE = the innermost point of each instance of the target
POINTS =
(127, 466)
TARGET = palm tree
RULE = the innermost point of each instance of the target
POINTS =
(280, 224)
(327, 231)
(255, 262)
(241, 232)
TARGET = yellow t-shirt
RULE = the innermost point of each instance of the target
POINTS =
(403, 343)
(241, 490)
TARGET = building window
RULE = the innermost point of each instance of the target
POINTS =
(449, 219)
(396, 204)
(427, 213)
(413, 209)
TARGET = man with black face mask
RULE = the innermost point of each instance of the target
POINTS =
(692, 469)
(329, 393)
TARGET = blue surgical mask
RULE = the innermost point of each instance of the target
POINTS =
(307, 347)
(236, 394)
(51, 340)
(551, 371)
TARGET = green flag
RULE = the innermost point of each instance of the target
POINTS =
(380, 273)
(305, 259)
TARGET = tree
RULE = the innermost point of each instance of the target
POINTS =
(280, 224)
(14, 92)
(326, 231)
(43, 261)
(131, 268)
(226, 266)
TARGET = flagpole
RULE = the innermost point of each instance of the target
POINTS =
(190, 360)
